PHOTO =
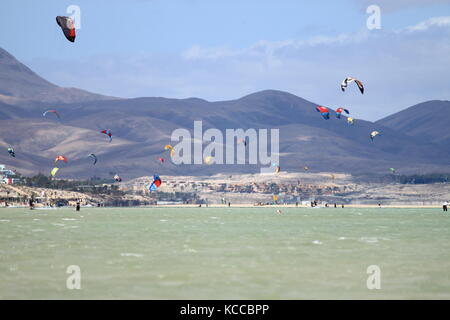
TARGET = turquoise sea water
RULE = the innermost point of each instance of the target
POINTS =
(224, 253)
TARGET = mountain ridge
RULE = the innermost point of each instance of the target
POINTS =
(427, 121)
(20, 82)
(142, 126)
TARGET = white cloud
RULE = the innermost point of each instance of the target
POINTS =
(268, 48)
(398, 5)
(432, 22)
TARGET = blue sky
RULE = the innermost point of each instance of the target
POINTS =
(216, 49)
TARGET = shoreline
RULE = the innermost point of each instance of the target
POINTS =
(243, 205)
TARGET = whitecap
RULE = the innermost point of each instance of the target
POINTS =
(68, 219)
(132, 255)
(188, 249)
(4, 220)
(317, 242)
(369, 239)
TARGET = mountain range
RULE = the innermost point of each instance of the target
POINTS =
(413, 140)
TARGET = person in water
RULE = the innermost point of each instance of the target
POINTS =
(444, 206)
(78, 206)
(31, 203)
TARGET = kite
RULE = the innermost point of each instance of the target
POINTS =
(324, 112)
(54, 171)
(339, 112)
(306, 168)
(67, 26)
(93, 156)
(155, 184)
(209, 160)
(52, 111)
(61, 158)
(108, 133)
(161, 160)
(392, 170)
(11, 152)
(350, 120)
(348, 80)
(242, 141)
(169, 147)
(373, 134)
(117, 178)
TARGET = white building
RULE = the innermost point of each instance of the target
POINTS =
(7, 176)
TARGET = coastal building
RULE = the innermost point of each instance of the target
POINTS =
(7, 176)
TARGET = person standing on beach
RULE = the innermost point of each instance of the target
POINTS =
(444, 206)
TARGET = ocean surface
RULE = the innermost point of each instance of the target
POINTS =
(224, 253)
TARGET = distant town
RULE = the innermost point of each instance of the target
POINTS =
(251, 189)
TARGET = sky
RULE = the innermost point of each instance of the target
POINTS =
(223, 50)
